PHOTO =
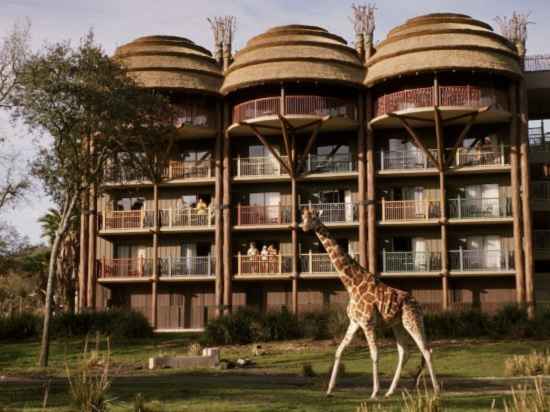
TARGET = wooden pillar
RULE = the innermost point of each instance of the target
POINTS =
(154, 285)
(92, 243)
(526, 200)
(83, 262)
(295, 228)
(442, 199)
(227, 264)
(516, 197)
(218, 221)
(371, 189)
(362, 182)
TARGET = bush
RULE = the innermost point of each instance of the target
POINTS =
(315, 325)
(528, 365)
(527, 400)
(20, 326)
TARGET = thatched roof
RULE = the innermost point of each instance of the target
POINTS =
(171, 62)
(443, 41)
(294, 52)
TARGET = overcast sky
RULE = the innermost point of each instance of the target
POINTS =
(116, 22)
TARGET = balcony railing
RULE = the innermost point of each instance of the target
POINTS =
(126, 268)
(316, 263)
(195, 114)
(188, 169)
(263, 215)
(175, 266)
(464, 260)
(127, 219)
(411, 261)
(258, 166)
(263, 265)
(480, 208)
(294, 105)
(537, 63)
(186, 217)
(471, 96)
(337, 163)
(335, 212)
(480, 157)
(405, 159)
(404, 210)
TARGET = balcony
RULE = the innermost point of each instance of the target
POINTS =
(409, 211)
(127, 220)
(196, 119)
(186, 219)
(411, 262)
(335, 213)
(482, 209)
(453, 101)
(258, 167)
(258, 215)
(537, 63)
(186, 267)
(483, 158)
(271, 265)
(408, 161)
(330, 164)
(540, 196)
(480, 261)
(134, 268)
(299, 110)
(542, 244)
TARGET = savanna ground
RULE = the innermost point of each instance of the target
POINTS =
(471, 372)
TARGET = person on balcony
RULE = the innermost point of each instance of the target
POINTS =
(264, 257)
(201, 208)
(272, 258)
(252, 253)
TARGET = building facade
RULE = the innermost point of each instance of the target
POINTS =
(416, 151)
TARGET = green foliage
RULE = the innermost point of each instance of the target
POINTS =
(307, 370)
(20, 326)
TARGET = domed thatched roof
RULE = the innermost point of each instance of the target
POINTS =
(171, 62)
(442, 41)
(294, 52)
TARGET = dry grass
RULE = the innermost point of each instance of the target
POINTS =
(195, 349)
(527, 400)
(421, 401)
(366, 407)
(535, 363)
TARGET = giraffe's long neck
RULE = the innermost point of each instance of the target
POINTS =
(346, 267)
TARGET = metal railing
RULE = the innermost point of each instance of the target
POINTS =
(293, 105)
(127, 219)
(537, 63)
(396, 210)
(175, 266)
(336, 163)
(405, 159)
(464, 260)
(126, 267)
(472, 96)
(188, 169)
(258, 166)
(263, 215)
(186, 217)
(480, 208)
(335, 212)
(479, 157)
(411, 261)
(316, 263)
(263, 265)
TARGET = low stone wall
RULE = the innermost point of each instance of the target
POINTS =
(210, 359)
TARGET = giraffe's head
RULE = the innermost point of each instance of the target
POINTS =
(310, 219)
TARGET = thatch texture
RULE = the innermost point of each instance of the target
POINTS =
(294, 52)
(441, 42)
(171, 62)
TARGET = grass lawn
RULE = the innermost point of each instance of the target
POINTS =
(274, 384)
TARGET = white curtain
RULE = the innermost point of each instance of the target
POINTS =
(419, 249)
(348, 205)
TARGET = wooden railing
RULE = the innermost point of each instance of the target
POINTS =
(537, 63)
(468, 208)
(464, 260)
(403, 210)
(294, 105)
(127, 219)
(263, 215)
(175, 266)
(186, 217)
(471, 96)
(188, 169)
(335, 212)
(122, 268)
(405, 159)
(258, 166)
(263, 265)
(411, 261)
(480, 157)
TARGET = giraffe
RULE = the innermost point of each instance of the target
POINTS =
(372, 303)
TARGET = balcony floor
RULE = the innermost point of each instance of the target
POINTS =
(482, 273)
(416, 222)
(481, 220)
(187, 278)
(121, 279)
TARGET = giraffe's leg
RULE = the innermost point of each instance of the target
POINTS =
(352, 328)
(402, 355)
(414, 324)
(370, 334)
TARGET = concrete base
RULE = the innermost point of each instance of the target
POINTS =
(210, 359)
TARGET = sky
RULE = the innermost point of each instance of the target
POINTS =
(116, 22)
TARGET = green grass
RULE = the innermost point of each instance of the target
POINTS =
(274, 384)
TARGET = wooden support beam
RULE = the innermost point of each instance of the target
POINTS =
(295, 241)
(218, 218)
(227, 247)
(269, 147)
(416, 139)
(516, 196)
(92, 247)
(462, 116)
(286, 141)
(309, 124)
(310, 143)
(362, 184)
(84, 250)
(460, 139)
(154, 286)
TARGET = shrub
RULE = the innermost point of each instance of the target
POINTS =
(281, 326)
(307, 371)
(315, 325)
(535, 363)
(20, 326)
(421, 401)
(195, 349)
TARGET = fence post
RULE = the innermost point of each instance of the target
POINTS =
(461, 258)
(383, 209)
(238, 165)
(382, 165)
(506, 260)
(383, 259)
(310, 262)
(280, 263)
(309, 162)
(209, 267)
(239, 271)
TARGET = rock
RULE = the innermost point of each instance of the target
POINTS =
(244, 363)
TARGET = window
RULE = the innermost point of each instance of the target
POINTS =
(195, 155)
(130, 203)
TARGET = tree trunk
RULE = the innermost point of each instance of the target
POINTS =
(59, 235)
